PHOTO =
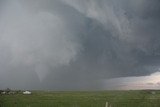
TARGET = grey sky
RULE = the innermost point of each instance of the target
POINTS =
(74, 44)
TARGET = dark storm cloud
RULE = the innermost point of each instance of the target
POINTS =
(71, 44)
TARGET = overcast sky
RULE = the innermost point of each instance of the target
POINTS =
(77, 44)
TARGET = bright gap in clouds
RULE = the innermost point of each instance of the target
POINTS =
(151, 81)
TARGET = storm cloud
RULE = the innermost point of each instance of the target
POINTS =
(74, 44)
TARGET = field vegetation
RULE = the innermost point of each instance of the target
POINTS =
(146, 98)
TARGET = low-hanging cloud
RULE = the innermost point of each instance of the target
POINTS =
(133, 83)
(71, 44)
(36, 40)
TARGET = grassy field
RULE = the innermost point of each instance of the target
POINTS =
(82, 99)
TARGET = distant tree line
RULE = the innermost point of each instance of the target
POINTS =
(9, 91)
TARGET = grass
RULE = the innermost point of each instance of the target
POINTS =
(82, 99)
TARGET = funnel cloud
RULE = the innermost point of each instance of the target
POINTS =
(74, 44)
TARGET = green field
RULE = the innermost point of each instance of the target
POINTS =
(82, 99)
